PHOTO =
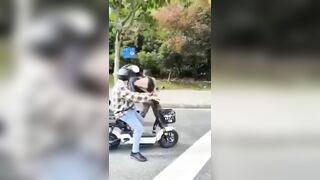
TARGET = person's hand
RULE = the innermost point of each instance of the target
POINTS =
(154, 97)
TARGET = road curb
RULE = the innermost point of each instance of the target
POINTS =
(189, 106)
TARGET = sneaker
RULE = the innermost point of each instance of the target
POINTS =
(138, 156)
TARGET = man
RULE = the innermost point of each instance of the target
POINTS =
(123, 107)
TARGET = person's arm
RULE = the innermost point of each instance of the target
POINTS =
(155, 84)
(135, 96)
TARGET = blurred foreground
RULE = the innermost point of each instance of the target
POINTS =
(266, 83)
(265, 117)
(53, 95)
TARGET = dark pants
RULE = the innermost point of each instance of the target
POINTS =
(155, 108)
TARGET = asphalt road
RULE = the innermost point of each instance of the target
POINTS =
(265, 161)
(191, 125)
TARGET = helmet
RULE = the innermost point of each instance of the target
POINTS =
(128, 71)
(134, 68)
(123, 74)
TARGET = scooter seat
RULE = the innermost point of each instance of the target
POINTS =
(120, 121)
(121, 124)
(112, 124)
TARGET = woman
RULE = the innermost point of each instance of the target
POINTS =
(123, 107)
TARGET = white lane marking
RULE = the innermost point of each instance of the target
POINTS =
(188, 164)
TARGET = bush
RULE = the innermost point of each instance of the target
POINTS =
(150, 61)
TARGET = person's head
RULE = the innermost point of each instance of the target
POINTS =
(128, 71)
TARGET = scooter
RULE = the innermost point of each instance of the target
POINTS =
(121, 133)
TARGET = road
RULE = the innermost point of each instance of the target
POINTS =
(191, 125)
(265, 161)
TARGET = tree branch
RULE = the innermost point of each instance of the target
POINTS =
(127, 18)
(133, 9)
(118, 18)
(128, 25)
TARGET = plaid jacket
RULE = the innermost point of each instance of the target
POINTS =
(123, 99)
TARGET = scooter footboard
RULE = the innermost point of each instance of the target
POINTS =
(148, 140)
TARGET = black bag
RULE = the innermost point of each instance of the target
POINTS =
(167, 116)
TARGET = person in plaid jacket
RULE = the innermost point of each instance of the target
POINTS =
(123, 108)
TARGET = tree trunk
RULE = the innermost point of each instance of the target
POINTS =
(169, 76)
(116, 56)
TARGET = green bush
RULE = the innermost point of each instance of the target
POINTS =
(150, 61)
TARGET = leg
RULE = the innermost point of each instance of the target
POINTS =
(134, 122)
(155, 108)
(145, 110)
(140, 117)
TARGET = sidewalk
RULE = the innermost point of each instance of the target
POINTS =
(184, 98)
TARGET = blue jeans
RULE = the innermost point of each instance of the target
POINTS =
(135, 121)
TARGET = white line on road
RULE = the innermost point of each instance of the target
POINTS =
(188, 164)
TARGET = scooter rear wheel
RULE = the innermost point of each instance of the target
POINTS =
(169, 139)
(114, 141)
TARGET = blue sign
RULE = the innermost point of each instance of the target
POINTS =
(129, 53)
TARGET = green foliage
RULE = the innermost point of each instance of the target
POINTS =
(171, 37)
(150, 61)
(175, 84)
(190, 26)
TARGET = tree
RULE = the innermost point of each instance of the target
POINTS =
(122, 16)
(190, 27)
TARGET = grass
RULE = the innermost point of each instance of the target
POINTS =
(111, 80)
(164, 84)
(5, 57)
(176, 84)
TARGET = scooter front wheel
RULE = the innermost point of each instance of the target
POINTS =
(169, 139)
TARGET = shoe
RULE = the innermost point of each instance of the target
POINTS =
(138, 156)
